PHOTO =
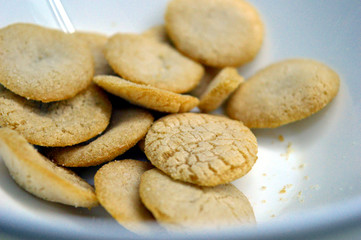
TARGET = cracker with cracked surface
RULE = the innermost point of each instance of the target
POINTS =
(41, 177)
(144, 60)
(96, 43)
(216, 33)
(43, 64)
(203, 149)
(147, 96)
(62, 123)
(126, 128)
(221, 87)
(284, 92)
(117, 188)
(182, 206)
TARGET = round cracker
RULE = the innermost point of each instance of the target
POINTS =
(41, 177)
(117, 188)
(221, 87)
(126, 128)
(203, 149)
(96, 43)
(144, 60)
(147, 96)
(181, 206)
(43, 64)
(56, 124)
(284, 92)
(217, 33)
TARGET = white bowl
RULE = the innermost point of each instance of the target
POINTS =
(318, 163)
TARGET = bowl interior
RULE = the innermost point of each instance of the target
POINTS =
(314, 171)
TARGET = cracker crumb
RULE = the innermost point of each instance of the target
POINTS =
(263, 187)
(300, 197)
(264, 174)
(315, 187)
(263, 201)
(281, 138)
(305, 177)
(283, 190)
(289, 150)
(301, 166)
(272, 216)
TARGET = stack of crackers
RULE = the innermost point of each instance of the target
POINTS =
(62, 93)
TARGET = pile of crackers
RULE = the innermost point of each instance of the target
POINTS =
(64, 93)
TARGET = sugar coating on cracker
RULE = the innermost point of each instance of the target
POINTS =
(145, 60)
(43, 64)
(126, 128)
(117, 188)
(217, 33)
(180, 206)
(203, 149)
(56, 124)
(147, 96)
(226, 81)
(284, 92)
(41, 177)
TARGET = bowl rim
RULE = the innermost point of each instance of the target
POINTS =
(327, 219)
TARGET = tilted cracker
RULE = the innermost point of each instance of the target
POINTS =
(147, 96)
(226, 81)
(41, 177)
(126, 128)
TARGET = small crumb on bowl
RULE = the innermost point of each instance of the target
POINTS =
(283, 190)
(300, 197)
(289, 150)
(315, 187)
